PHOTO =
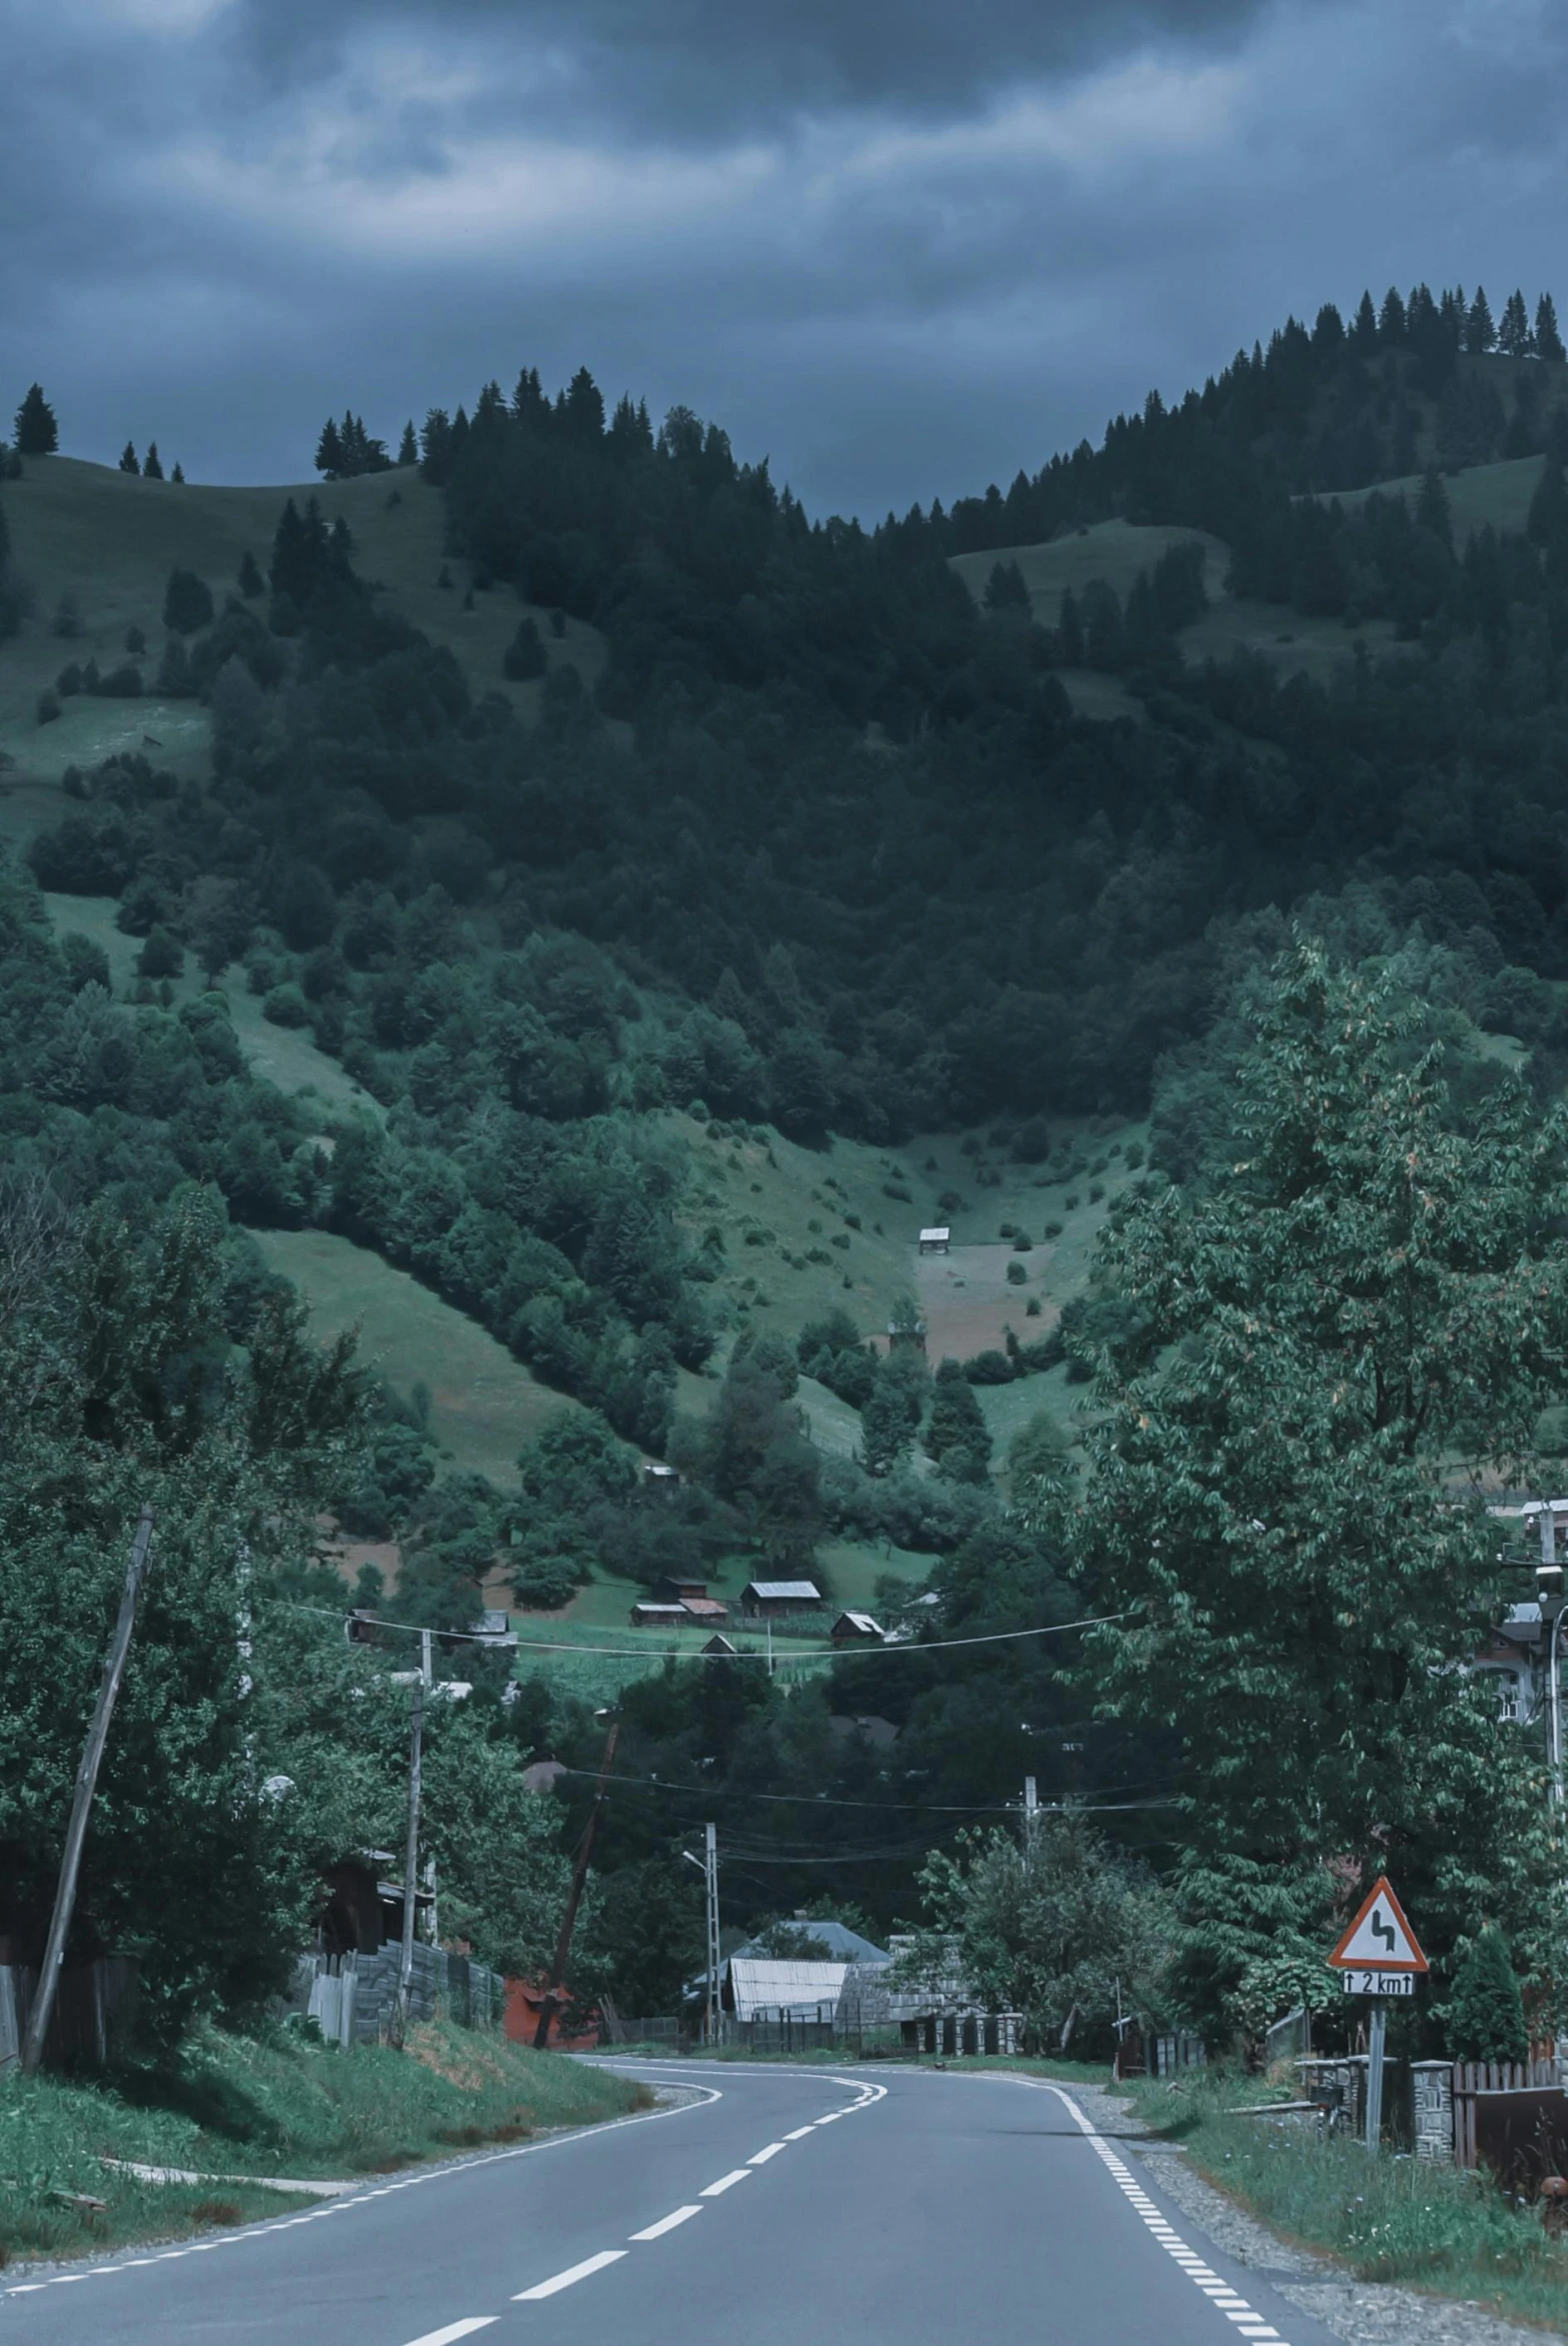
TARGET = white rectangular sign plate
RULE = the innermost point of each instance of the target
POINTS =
(1377, 1983)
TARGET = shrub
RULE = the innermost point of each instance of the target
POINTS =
(161, 957)
(1096, 1192)
(1023, 1244)
(1071, 1203)
(48, 707)
(69, 681)
(286, 1006)
(1017, 1274)
(1031, 1310)
(135, 641)
(123, 683)
(1053, 1230)
(1486, 2012)
(524, 656)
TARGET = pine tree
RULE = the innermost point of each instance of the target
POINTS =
(187, 603)
(35, 430)
(1363, 333)
(435, 447)
(178, 475)
(1479, 333)
(152, 470)
(329, 451)
(1514, 337)
(128, 459)
(1486, 2011)
(408, 446)
(251, 581)
(1432, 510)
(1392, 323)
(1548, 342)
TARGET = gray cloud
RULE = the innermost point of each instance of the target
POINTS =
(899, 267)
(689, 67)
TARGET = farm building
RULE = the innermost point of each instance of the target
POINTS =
(936, 1241)
(769, 1987)
(856, 1629)
(693, 1596)
(721, 1650)
(759, 1598)
(660, 1616)
(658, 1477)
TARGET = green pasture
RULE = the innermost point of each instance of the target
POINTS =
(107, 541)
(1497, 495)
(484, 1403)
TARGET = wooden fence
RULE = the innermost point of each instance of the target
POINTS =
(1474, 2080)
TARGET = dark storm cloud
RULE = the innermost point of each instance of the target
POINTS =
(902, 250)
(689, 67)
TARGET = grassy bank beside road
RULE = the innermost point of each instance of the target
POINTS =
(1387, 2219)
(236, 2107)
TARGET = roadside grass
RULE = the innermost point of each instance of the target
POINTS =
(1439, 2229)
(235, 2106)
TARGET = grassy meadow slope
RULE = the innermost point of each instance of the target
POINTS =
(108, 540)
(1495, 496)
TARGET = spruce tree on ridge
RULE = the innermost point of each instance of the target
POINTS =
(1480, 334)
(1548, 341)
(35, 430)
(152, 470)
(129, 462)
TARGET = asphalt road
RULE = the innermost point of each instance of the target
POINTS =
(913, 2208)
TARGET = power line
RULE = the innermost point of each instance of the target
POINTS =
(807, 1654)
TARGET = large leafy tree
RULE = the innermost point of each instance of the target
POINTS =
(1344, 1335)
(121, 1382)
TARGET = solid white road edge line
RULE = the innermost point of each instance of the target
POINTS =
(338, 2207)
(456, 2330)
(573, 2274)
(667, 2223)
(1219, 2293)
(735, 2175)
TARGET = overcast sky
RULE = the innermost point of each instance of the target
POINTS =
(902, 247)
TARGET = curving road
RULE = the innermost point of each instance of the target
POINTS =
(922, 2209)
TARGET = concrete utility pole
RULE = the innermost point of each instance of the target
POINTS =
(410, 1856)
(81, 1805)
(1549, 1591)
(711, 1874)
(455, 1690)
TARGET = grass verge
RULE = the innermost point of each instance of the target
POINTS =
(1437, 2229)
(236, 2107)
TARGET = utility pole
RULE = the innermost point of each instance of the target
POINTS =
(81, 1805)
(558, 1970)
(1549, 1590)
(1032, 1810)
(411, 1856)
(710, 1875)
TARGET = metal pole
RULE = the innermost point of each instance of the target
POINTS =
(410, 1859)
(711, 1869)
(81, 1805)
(1554, 1719)
(1374, 2075)
(1032, 1810)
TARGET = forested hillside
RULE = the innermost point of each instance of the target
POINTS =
(721, 832)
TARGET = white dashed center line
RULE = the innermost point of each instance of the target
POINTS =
(798, 2135)
(761, 2157)
(665, 2224)
(1224, 2299)
(735, 2175)
(572, 2275)
(456, 2330)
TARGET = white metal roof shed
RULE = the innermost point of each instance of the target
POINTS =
(763, 1987)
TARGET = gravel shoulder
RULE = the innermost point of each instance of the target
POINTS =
(1363, 2313)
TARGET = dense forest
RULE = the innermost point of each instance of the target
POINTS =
(823, 848)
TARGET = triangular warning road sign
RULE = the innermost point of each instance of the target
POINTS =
(1379, 1936)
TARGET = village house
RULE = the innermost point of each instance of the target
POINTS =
(762, 1599)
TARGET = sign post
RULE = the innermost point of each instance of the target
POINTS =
(1378, 1957)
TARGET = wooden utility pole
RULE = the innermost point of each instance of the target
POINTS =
(81, 1806)
(558, 1970)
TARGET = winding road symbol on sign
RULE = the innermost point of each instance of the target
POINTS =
(1379, 1936)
